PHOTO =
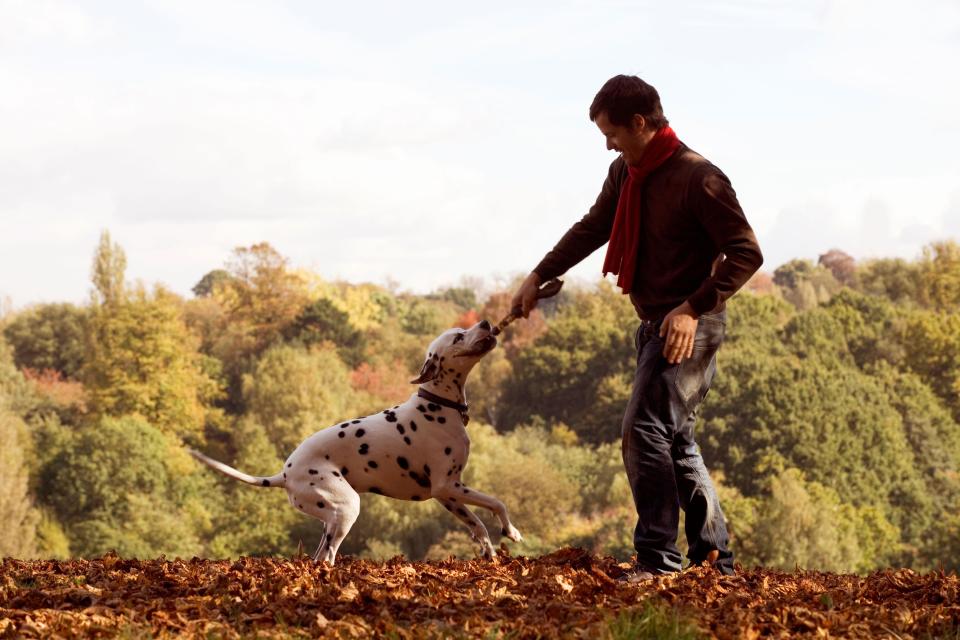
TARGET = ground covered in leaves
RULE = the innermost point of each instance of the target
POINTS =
(569, 593)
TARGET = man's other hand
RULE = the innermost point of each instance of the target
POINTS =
(680, 328)
(526, 295)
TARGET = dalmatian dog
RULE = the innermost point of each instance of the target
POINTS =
(414, 451)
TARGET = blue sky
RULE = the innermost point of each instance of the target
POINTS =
(424, 142)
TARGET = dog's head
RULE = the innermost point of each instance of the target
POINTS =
(456, 349)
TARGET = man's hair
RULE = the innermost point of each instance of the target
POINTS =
(621, 97)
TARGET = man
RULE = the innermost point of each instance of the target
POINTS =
(680, 245)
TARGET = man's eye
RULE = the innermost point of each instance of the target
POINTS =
(458, 338)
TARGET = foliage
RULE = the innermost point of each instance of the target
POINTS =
(321, 321)
(48, 336)
(118, 485)
(294, 392)
(558, 377)
(142, 361)
(18, 518)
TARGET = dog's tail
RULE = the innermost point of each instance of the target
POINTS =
(260, 481)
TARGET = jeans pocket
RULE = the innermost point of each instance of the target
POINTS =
(694, 374)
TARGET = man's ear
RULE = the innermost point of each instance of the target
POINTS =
(429, 371)
(638, 122)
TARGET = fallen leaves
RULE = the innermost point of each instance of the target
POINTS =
(569, 593)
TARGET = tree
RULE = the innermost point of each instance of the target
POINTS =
(574, 373)
(939, 276)
(141, 360)
(841, 265)
(892, 278)
(109, 266)
(18, 517)
(119, 485)
(294, 392)
(48, 336)
(210, 281)
(321, 321)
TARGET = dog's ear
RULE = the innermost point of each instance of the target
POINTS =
(429, 370)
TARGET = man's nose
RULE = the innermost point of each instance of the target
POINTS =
(485, 325)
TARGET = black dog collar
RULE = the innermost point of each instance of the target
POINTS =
(432, 397)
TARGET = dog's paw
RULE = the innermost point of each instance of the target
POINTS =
(486, 549)
(512, 533)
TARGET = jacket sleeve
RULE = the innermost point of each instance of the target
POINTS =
(588, 234)
(715, 205)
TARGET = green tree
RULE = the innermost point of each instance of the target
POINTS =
(48, 336)
(118, 485)
(141, 360)
(321, 321)
(294, 392)
(892, 278)
(576, 372)
(18, 517)
(109, 267)
(210, 281)
(255, 521)
(940, 276)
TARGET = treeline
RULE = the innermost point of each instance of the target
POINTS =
(833, 427)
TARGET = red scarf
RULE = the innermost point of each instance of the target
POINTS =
(624, 238)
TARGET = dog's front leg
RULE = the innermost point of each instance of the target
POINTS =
(477, 531)
(467, 495)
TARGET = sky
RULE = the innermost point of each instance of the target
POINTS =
(422, 143)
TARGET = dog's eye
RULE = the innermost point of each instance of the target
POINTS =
(457, 338)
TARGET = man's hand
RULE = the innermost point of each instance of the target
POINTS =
(526, 296)
(680, 328)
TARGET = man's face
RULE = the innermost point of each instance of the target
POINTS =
(629, 141)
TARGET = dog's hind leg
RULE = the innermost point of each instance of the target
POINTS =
(466, 495)
(344, 512)
(477, 531)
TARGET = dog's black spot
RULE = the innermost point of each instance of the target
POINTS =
(462, 512)
(284, 476)
(311, 484)
(400, 429)
(373, 464)
(344, 425)
(299, 506)
(417, 498)
(265, 483)
(420, 407)
(450, 369)
(466, 490)
(447, 507)
(453, 499)
(503, 531)
(404, 464)
(413, 425)
(336, 474)
(428, 417)
(341, 434)
(456, 484)
(392, 417)
(364, 448)
(376, 490)
(441, 420)
(344, 471)
(407, 439)
(458, 375)
(447, 450)
(327, 456)
(360, 433)
(321, 505)
(426, 469)
(420, 480)
(432, 406)
(312, 472)
(289, 464)
(450, 473)
(356, 422)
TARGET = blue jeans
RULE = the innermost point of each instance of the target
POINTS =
(663, 462)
